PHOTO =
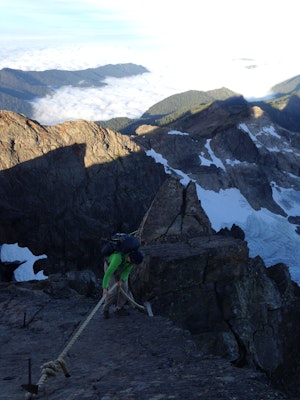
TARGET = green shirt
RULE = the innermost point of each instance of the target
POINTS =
(116, 262)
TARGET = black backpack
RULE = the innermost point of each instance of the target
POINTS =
(120, 242)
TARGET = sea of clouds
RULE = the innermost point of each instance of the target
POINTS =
(131, 97)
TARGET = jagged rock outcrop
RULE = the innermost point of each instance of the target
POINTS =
(179, 216)
(64, 187)
(7, 270)
(206, 282)
(222, 149)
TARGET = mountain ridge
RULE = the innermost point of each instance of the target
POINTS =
(283, 109)
(18, 87)
(177, 107)
(64, 187)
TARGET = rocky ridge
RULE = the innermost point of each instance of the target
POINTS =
(243, 150)
(64, 187)
(99, 181)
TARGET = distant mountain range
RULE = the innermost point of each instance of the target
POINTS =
(177, 108)
(283, 108)
(18, 88)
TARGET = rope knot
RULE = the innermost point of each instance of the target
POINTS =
(50, 368)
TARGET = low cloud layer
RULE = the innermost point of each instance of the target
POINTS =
(131, 97)
(127, 97)
(245, 46)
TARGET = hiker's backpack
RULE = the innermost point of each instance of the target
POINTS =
(120, 242)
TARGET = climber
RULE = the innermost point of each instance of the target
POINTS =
(117, 268)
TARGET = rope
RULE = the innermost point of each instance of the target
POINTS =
(50, 368)
(131, 300)
(147, 307)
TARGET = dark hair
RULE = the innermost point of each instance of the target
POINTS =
(136, 257)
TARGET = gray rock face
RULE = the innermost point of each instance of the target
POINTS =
(174, 215)
(244, 150)
(7, 270)
(64, 187)
(206, 283)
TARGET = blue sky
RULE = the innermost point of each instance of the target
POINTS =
(242, 28)
(186, 45)
(66, 20)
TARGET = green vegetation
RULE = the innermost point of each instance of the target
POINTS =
(187, 100)
(181, 114)
(177, 108)
(279, 103)
(287, 87)
(116, 124)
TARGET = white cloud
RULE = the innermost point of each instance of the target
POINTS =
(186, 45)
(132, 96)
(129, 97)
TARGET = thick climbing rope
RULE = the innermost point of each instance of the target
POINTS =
(147, 307)
(131, 300)
(50, 368)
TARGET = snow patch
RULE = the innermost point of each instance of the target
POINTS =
(268, 235)
(178, 133)
(25, 272)
(214, 160)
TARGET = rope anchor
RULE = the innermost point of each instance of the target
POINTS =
(50, 368)
(30, 387)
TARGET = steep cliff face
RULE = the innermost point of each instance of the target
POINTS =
(244, 160)
(64, 187)
(207, 283)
